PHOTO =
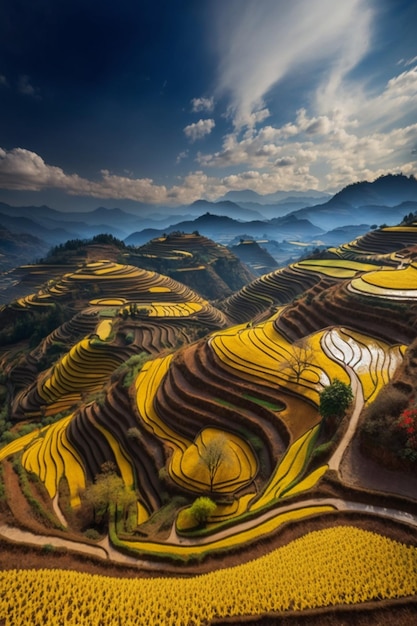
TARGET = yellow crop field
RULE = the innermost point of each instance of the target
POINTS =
(108, 301)
(393, 279)
(262, 353)
(178, 309)
(288, 469)
(85, 366)
(122, 461)
(238, 467)
(146, 385)
(104, 329)
(18, 444)
(50, 457)
(399, 284)
(342, 565)
(339, 268)
(237, 538)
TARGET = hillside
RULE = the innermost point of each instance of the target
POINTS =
(119, 379)
(208, 267)
(16, 249)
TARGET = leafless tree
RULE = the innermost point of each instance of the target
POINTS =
(300, 359)
(213, 455)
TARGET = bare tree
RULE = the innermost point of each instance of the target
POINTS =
(213, 455)
(300, 359)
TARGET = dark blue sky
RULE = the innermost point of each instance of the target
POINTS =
(165, 102)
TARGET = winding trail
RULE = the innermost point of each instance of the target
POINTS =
(104, 550)
(337, 456)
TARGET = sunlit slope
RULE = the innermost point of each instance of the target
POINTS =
(109, 284)
(398, 284)
(283, 285)
(239, 385)
(381, 302)
(380, 245)
(83, 370)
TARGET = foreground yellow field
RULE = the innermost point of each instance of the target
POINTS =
(337, 566)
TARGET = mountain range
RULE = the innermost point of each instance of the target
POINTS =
(279, 217)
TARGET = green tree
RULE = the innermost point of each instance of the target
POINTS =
(213, 455)
(109, 494)
(201, 509)
(335, 399)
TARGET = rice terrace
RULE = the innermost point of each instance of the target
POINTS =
(167, 459)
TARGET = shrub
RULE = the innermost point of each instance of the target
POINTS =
(201, 509)
(407, 426)
(335, 399)
(93, 534)
(390, 401)
(48, 548)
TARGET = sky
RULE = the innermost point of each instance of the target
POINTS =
(163, 102)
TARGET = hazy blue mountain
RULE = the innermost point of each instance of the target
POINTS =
(19, 248)
(20, 225)
(387, 190)
(379, 202)
(340, 235)
(223, 229)
(255, 256)
(227, 208)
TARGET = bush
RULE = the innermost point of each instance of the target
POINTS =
(201, 509)
(335, 399)
(93, 534)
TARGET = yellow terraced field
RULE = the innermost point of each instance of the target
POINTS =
(261, 353)
(51, 457)
(84, 367)
(238, 468)
(324, 568)
(373, 360)
(339, 268)
(240, 537)
(393, 279)
(289, 468)
(146, 385)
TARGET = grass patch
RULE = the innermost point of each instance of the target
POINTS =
(265, 403)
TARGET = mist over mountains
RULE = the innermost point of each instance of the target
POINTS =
(312, 217)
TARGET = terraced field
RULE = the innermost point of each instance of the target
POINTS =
(231, 414)
(379, 245)
(399, 284)
(283, 285)
(209, 268)
(120, 285)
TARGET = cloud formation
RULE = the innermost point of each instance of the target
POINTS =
(199, 129)
(202, 104)
(261, 43)
(361, 136)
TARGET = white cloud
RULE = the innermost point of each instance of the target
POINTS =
(199, 129)
(259, 43)
(26, 88)
(367, 136)
(202, 104)
(22, 169)
(3, 81)
(182, 155)
(285, 161)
